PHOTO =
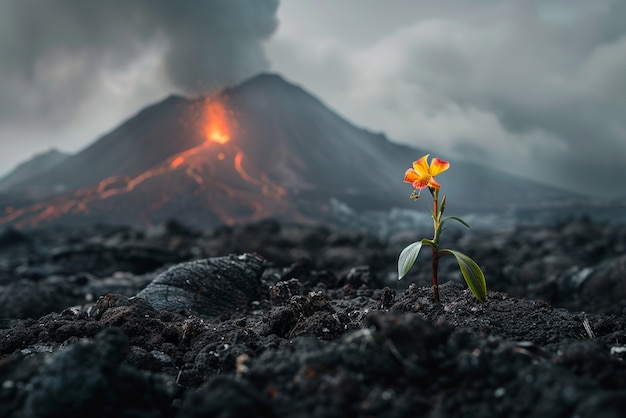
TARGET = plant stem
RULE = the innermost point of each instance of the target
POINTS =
(435, 215)
(435, 278)
(435, 247)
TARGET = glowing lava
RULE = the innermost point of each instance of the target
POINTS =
(213, 165)
(217, 122)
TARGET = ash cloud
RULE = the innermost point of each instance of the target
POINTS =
(214, 41)
(64, 60)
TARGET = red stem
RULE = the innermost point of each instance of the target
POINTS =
(435, 240)
(435, 279)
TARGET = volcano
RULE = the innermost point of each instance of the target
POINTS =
(264, 148)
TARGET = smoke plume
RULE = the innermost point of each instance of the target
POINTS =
(211, 41)
(56, 54)
(72, 67)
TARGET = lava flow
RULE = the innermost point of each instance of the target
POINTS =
(206, 164)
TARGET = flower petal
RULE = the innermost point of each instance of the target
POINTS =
(438, 166)
(421, 166)
(421, 183)
(432, 183)
(410, 176)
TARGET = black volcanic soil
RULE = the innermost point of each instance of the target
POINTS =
(308, 321)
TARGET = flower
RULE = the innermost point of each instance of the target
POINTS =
(422, 175)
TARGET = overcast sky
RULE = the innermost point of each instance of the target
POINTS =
(532, 87)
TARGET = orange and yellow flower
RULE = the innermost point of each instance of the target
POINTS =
(422, 174)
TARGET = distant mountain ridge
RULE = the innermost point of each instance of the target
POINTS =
(283, 154)
(137, 144)
(37, 164)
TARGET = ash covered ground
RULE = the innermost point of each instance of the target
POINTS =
(274, 320)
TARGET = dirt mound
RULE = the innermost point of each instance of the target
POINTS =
(316, 336)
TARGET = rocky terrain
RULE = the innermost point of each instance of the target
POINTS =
(273, 320)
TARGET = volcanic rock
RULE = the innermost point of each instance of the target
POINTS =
(324, 342)
(602, 286)
(207, 287)
(51, 269)
(83, 378)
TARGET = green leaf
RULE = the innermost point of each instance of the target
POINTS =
(473, 275)
(456, 218)
(407, 258)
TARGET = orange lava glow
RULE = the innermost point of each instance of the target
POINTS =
(241, 171)
(206, 165)
(268, 187)
(178, 161)
(217, 122)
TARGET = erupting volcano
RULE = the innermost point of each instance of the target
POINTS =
(219, 122)
(265, 148)
(215, 173)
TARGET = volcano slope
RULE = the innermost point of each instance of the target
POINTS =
(307, 321)
(264, 148)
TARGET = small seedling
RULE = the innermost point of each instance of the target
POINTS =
(422, 176)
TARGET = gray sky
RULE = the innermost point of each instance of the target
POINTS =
(533, 87)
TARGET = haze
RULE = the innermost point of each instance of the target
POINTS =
(534, 88)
